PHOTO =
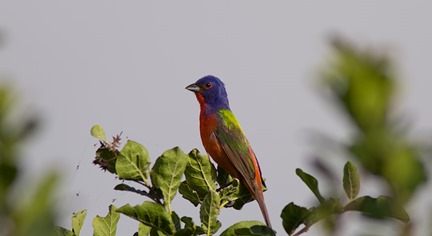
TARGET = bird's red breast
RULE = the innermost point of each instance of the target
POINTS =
(208, 126)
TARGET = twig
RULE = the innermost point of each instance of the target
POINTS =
(304, 230)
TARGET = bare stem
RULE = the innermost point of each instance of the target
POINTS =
(304, 230)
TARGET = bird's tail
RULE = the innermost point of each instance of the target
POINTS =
(259, 197)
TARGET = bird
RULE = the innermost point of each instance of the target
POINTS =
(224, 140)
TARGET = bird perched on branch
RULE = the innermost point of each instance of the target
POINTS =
(223, 138)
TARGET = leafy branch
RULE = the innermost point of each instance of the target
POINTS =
(381, 207)
(205, 186)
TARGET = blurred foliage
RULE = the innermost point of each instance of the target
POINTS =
(31, 213)
(362, 84)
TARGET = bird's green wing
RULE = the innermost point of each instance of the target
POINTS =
(235, 144)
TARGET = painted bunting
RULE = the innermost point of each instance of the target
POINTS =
(223, 138)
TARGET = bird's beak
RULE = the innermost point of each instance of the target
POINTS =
(193, 88)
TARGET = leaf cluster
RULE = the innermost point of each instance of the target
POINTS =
(192, 175)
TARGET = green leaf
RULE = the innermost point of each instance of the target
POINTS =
(98, 132)
(380, 207)
(235, 195)
(125, 187)
(200, 174)
(293, 216)
(311, 182)
(60, 231)
(143, 230)
(189, 194)
(223, 178)
(190, 228)
(243, 197)
(230, 193)
(150, 214)
(209, 212)
(167, 173)
(176, 220)
(133, 162)
(351, 180)
(78, 221)
(106, 226)
(155, 232)
(245, 228)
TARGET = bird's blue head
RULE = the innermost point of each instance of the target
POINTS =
(210, 92)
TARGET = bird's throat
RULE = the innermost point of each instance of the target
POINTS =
(205, 108)
(201, 100)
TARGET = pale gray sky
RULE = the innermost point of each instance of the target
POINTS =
(125, 65)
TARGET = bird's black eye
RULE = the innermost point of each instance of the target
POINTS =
(208, 85)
